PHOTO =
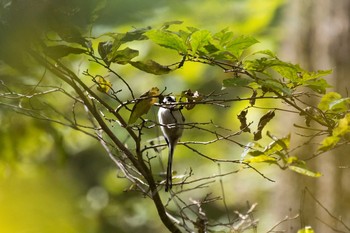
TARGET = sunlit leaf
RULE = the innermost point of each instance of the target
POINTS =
(279, 147)
(238, 45)
(343, 126)
(59, 51)
(328, 143)
(307, 229)
(287, 70)
(283, 142)
(143, 105)
(340, 104)
(151, 66)
(261, 64)
(103, 84)
(318, 85)
(297, 75)
(199, 39)
(167, 40)
(316, 74)
(327, 99)
(192, 29)
(304, 171)
(293, 160)
(223, 37)
(261, 159)
(266, 52)
(276, 86)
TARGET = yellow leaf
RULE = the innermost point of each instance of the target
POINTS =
(103, 84)
(343, 126)
(292, 159)
(304, 171)
(261, 159)
(306, 229)
(329, 143)
(143, 104)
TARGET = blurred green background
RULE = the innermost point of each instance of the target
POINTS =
(54, 179)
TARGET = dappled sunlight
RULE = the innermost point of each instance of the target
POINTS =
(84, 150)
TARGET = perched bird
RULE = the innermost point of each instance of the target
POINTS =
(171, 123)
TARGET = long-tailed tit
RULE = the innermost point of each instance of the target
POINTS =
(171, 123)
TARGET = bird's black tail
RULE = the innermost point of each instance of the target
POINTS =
(169, 183)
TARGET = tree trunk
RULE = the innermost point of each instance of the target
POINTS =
(318, 37)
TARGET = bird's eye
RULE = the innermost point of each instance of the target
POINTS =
(169, 99)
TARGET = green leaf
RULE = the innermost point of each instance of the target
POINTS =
(328, 143)
(278, 147)
(261, 64)
(316, 75)
(167, 40)
(238, 45)
(327, 99)
(276, 86)
(122, 56)
(59, 51)
(292, 72)
(318, 85)
(266, 52)
(261, 159)
(294, 160)
(286, 70)
(199, 39)
(237, 82)
(223, 37)
(340, 104)
(281, 143)
(151, 66)
(304, 171)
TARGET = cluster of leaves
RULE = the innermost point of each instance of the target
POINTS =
(335, 110)
(277, 153)
(262, 72)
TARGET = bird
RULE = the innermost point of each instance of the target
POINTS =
(171, 123)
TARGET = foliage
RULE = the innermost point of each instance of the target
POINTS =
(108, 114)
